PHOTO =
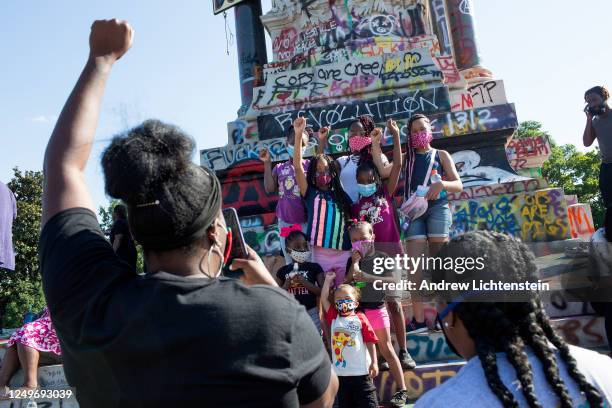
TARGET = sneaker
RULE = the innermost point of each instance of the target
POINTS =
(437, 327)
(383, 365)
(399, 399)
(406, 360)
(414, 327)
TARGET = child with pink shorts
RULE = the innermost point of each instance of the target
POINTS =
(361, 271)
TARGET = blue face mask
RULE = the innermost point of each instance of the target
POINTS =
(366, 190)
(290, 150)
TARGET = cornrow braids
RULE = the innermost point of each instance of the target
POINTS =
(336, 190)
(368, 124)
(536, 339)
(591, 393)
(509, 327)
(488, 359)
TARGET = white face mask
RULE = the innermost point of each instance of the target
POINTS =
(300, 256)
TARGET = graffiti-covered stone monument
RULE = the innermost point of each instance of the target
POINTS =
(336, 60)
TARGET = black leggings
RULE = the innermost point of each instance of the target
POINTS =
(605, 183)
(357, 392)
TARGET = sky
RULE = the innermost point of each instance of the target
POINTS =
(548, 52)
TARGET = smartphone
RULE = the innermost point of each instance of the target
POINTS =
(238, 249)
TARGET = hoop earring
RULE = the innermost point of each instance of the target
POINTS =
(215, 248)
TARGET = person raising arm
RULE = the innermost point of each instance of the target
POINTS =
(99, 305)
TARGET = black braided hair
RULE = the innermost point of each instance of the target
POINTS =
(598, 90)
(366, 121)
(336, 190)
(508, 327)
(593, 395)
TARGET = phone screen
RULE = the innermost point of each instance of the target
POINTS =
(238, 249)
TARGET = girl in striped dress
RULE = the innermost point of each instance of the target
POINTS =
(328, 208)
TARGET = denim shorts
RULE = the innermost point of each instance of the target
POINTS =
(435, 223)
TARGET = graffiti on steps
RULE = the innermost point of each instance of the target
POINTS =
(583, 331)
(488, 190)
(479, 95)
(558, 306)
(418, 381)
(533, 217)
(581, 221)
(429, 347)
(528, 152)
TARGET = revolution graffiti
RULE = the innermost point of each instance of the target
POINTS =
(341, 115)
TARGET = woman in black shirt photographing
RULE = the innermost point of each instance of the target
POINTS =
(181, 334)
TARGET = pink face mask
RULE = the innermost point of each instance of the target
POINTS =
(356, 143)
(421, 139)
(363, 246)
(323, 179)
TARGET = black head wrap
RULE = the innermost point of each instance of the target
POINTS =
(164, 230)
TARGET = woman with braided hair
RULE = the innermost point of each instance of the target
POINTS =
(361, 147)
(515, 357)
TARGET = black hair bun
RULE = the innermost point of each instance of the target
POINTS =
(144, 158)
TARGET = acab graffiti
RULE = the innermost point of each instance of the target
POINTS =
(533, 217)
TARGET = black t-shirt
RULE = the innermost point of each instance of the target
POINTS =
(127, 249)
(162, 340)
(308, 270)
(372, 298)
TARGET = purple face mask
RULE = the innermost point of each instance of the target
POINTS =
(362, 246)
(421, 139)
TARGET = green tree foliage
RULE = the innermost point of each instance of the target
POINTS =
(567, 167)
(21, 289)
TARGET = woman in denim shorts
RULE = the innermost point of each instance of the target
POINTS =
(430, 230)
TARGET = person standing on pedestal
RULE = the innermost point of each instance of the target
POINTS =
(599, 126)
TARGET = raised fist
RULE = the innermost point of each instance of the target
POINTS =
(392, 126)
(323, 133)
(299, 124)
(376, 136)
(110, 39)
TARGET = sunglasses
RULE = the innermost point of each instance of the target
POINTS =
(449, 308)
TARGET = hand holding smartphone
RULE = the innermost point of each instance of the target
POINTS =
(238, 247)
(243, 262)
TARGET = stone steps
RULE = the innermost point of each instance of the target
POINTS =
(436, 363)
